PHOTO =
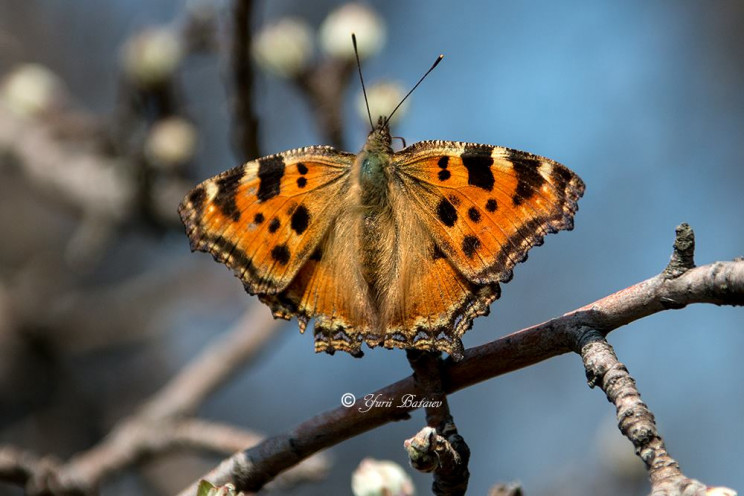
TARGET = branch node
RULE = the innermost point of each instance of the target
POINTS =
(448, 458)
(683, 256)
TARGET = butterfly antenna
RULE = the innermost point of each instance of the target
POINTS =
(361, 78)
(436, 63)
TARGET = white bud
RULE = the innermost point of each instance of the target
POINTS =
(284, 48)
(31, 89)
(357, 18)
(152, 56)
(720, 491)
(380, 478)
(207, 489)
(171, 142)
(383, 97)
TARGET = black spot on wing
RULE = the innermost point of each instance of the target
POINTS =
(561, 177)
(258, 218)
(300, 219)
(227, 189)
(270, 172)
(529, 179)
(474, 214)
(444, 174)
(301, 182)
(443, 162)
(274, 225)
(478, 160)
(197, 197)
(317, 255)
(446, 212)
(491, 205)
(470, 245)
(302, 168)
(280, 253)
(436, 253)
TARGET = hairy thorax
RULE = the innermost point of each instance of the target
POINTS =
(378, 230)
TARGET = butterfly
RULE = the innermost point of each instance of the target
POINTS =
(396, 249)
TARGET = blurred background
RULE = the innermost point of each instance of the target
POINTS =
(101, 301)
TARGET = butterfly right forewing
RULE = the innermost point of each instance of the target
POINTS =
(486, 206)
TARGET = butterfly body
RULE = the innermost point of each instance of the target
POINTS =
(395, 249)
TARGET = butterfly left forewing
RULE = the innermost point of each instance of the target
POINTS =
(264, 219)
(486, 206)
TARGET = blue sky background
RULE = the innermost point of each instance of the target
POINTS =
(642, 99)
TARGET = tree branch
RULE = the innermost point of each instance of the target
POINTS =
(438, 448)
(245, 123)
(720, 283)
(160, 425)
(635, 420)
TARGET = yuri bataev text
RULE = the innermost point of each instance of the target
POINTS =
(372, 400)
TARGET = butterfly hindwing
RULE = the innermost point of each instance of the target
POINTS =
(331, 289)
(428, 303)
(264, 219)
(486, 206)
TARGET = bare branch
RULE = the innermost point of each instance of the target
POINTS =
(683, 256)
(721, 283)
(215, 365)
(635, 419)
(440, 449)
(245, 123)
(77, 175)
(159, 426)
(445, 454)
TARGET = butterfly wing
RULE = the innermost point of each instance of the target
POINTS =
(470, 213)
(330, 288)
(486, 206)
(265, 219)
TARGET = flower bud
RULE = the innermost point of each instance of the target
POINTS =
(171, 143)
(720, 491)
(31, 89)
(152, 56)
(284, 48)
(207, 489)
(380, 478)
(357, 18)
(383, 98)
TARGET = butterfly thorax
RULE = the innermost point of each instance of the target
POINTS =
(372, 165)
(378, 229)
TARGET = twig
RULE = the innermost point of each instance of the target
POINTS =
(160, 425)
(721, 283)
(683, 255)
(445, 454)
(635, 419)
(438, 448)
(323, 86)
(245, 123)
(77, 175)
(508, 489)
(215, 365)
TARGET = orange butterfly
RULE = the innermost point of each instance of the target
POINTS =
(399, 249)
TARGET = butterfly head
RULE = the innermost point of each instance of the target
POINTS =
(379, 140)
